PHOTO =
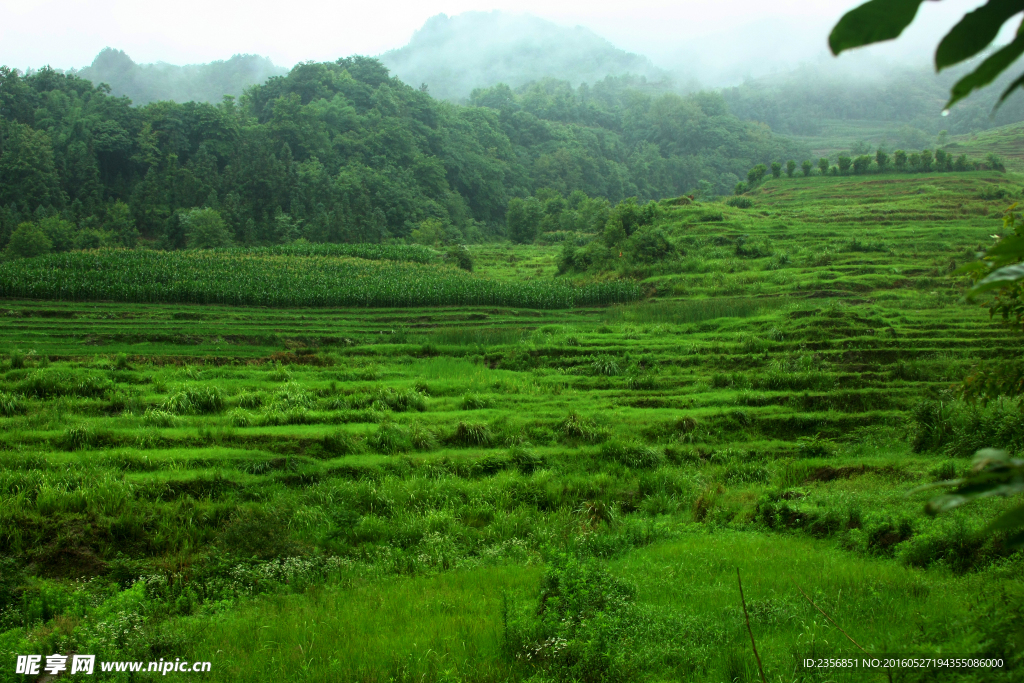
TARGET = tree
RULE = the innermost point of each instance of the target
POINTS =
(899, 158)
(823, 165)
(861, 164)
(28, 240)
(523, 218)
(740, 188)
(776, 169)
(756, 174)
(27, 172)
(790, 168)
(806, 167)
(926, 160)
(121, 223)
(881, 159)
(205, 229)
(844, 163)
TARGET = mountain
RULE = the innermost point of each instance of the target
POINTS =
(145, 83)
(454, 55)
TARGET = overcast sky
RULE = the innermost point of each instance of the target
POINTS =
(723, 35)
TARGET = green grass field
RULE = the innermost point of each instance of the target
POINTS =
(512, 493)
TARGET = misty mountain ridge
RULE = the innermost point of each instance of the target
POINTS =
(145, 83)
(454, 55)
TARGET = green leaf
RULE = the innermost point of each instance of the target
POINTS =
(1010, 247)
(1015, 541)
(975, 31)
(872, 22)
(988, 71)
(1000, 278)
(1008, 521)
(1006, 93)
(972, 267)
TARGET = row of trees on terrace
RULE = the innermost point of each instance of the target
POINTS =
(881, 162)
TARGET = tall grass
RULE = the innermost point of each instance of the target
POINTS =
(692, 310)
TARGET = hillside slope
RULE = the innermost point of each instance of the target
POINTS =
(454, 55)
(145, 83)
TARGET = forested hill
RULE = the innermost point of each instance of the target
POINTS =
(454, 55)
(343, 151)
(893, 106)
(145, 83)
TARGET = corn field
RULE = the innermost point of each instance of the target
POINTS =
(260, 278)
(416, 253)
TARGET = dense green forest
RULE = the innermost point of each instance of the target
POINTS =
(145, 83)
(344, 152)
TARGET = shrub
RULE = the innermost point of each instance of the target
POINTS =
(10, 404)
(578, 429)
(205, 229)
(27, 241)
(605, 365)
(739, 202)
(399, 401)
(806, 167)
(814, 447)
(341, 442)
(584, 628)
(390, 439)
(632, 454)
(524, 459)
(790, 168)
(154, 417)
(471, 434)
(80, 437)
(474, 402)
(423, 438)
(460, 256)
(952, 543)
(649, 245)
(194, 400)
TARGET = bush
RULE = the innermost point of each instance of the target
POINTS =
(390, 439)
(474, 402)
(576, 429)
(649, 245)
(10, 404)
(28, 240)
(205, 229)
(460, 256)
(194, 400)
(471, 434)
(584, 627)
(739, 202)
(605, 365)
(341, 442)
(633, 454)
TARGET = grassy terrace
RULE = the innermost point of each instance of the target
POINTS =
(375, 494)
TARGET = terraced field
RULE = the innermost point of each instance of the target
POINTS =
(377, 494)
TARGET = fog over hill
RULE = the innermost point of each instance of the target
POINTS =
(454, 55)
(144, 83)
